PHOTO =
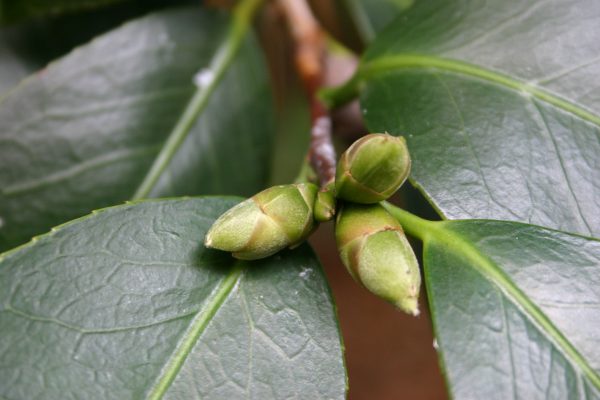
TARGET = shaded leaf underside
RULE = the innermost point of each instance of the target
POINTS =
(127, 303)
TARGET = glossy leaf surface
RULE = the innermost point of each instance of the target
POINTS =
(515, 307)
(500, 110)
(85, 132)
(127, 303)
(500, 107)
(516, 310)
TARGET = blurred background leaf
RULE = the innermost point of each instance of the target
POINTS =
(355, 23)
(84, 132)
(30, 45)
(11, 11)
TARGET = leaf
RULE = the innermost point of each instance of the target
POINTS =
(515, 308)
(13, 68)
(127, 303)
(89, 130)
(28, 47)
(532, 333)
(500, 113)
(11, 10)
(371, 16)
(500, 107)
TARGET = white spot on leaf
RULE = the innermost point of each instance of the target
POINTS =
(203, 78)
(305, 273)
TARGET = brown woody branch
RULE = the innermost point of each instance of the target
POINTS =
(309, 59)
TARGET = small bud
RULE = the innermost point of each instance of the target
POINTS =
(375, 251)
(276, 218)
(372, 169)
(325, 204)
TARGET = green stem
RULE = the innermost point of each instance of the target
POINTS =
(415, 226)
(242, 18)
(339, 95)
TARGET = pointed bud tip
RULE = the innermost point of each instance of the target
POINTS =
(375, 251)
(409, 305)
(273, 219)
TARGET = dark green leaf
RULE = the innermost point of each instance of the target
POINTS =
(515, 308)
(500, 110)
(371, 16)
(127, 303)
(499, 104)
(28, 47)
(14, 10)
(516, 311)
(85, 132)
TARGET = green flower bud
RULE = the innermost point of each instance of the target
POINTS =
(276, 218)
(372, 169)
(325, 204)
(375, 251)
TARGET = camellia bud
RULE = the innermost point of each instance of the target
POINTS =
(375, 251)
(372, 169)
(276, 218)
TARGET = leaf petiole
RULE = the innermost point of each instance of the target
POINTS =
(413, 225)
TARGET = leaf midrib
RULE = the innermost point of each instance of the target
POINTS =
(462, 247)
(430, 231)
(223, 57)
(194, 331)
(384, 64)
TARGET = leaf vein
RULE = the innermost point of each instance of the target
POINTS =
(415, 61)
(222, 60)
(77, 169)
(85, 331)
(472, 149)
(510, 351)
(438, 232)
(562, 166)
(195, 331)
